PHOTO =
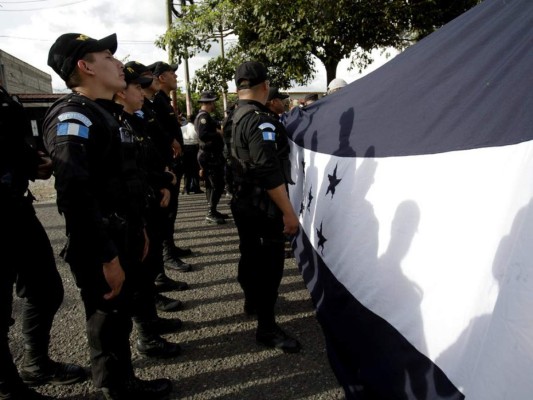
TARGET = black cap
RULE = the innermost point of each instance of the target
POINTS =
(137, 67)
(311, 97)
(159, 67)
(208, 97)
(273, 93)
(131, 76)
(71, 47)
(252, 71)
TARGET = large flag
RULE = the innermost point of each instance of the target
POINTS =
(414, 187)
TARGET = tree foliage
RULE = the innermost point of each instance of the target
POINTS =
(287, 35)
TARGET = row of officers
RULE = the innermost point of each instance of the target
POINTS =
(116, 149)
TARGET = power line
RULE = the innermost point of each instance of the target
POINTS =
(20, 2)
(22, 38)
(49, 40)
(45, 8)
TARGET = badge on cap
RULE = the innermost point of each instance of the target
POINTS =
(83, 38)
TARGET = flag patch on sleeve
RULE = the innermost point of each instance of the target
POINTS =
(268, 131)
(69, 128)
(269, 136)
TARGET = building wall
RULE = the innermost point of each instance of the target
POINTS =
(20, 77)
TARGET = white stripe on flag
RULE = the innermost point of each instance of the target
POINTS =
(422, 242)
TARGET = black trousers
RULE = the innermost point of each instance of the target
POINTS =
(190, 167)
(28, 261)
(109, 322)
(260, 269)
(156, 226)
(172, 208)
(213, 166)
(144, 309)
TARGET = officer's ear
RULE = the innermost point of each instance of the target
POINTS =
(121, 95)
(84, 67)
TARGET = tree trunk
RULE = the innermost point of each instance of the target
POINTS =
(331, 70)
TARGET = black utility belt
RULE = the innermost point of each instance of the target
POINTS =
(258, 198)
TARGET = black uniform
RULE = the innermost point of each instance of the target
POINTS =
(211, 158)
(258, 148)
(161, 225)
(168, 121)
(160, 137)
(84, 141)
(154, 146)
(27, 255)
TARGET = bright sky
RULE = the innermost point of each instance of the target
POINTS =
(28, 29)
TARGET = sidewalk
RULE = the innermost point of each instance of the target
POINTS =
(220, 359)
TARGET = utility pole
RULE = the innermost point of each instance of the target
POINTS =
(224, 93)
(171, 54)
(170, 12)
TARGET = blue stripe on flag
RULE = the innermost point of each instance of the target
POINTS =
(269, 136)
(367, 354)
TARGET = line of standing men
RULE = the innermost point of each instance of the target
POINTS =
(116, 187)
(116, 161)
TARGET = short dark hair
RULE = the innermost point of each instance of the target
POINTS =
(74, 79)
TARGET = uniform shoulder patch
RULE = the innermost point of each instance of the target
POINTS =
(267, 125)
(72, 129)
(76, 116)
(203, 121)
(268, 130)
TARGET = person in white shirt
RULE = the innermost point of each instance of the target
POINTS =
(190, 161)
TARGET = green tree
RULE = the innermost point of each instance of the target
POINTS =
(287, 34)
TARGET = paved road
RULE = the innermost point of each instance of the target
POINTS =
(220, 358)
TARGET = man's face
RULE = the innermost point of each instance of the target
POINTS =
(108, 70)
(133, 97)
(154, 87)
(277, 106)
(168, 80)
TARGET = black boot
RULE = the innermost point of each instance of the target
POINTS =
(276, 338)
(38, 369)
(157, 347)
(172, 260)
(163, 303)
(164, 284)
(219, 214)
(213, 218)
(175, 250)
(150, 343)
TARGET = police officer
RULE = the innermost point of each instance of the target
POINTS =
(166, 75)
(82, 135)
(159, 216)
(35, 271)
(260, 204)
(210, 156)
(147, 190)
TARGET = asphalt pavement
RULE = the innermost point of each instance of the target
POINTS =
(220, 358)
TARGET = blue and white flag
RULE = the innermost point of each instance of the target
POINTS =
(414, 188)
